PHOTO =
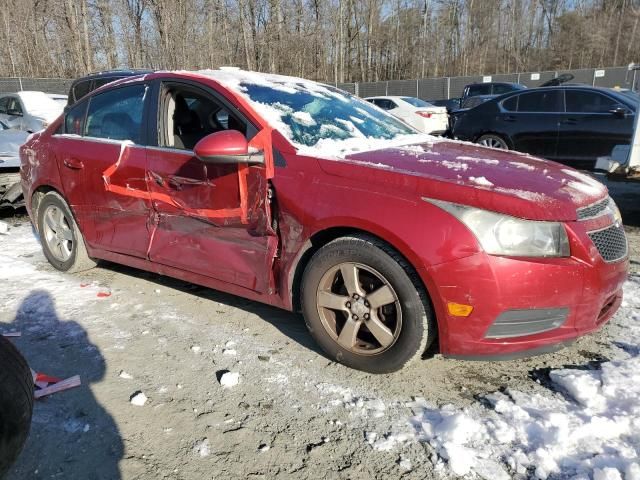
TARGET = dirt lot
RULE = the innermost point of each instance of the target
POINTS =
(294, 414)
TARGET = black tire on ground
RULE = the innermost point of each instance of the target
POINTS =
(494, 141)
(79, 259)
(16, 403)
(418, 327)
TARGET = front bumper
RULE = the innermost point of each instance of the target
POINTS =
(564, 298)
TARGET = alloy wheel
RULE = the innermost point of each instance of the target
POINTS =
(58, 233)
(359, 308)
(493, 142)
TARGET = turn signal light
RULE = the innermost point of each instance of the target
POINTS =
(459, 309)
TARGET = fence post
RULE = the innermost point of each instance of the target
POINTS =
(417, 88)
(518, 78)
(448, 88)
(357, 89)
(386, 88)
(20, 82)
(633, 85)
(593, 82)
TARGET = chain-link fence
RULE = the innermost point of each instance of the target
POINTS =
(452, 87)
(425, 88)
(48, 85)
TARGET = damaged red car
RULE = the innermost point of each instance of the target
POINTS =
(301, 196)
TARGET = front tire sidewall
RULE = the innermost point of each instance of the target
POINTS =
(56, 200)
(411, 341)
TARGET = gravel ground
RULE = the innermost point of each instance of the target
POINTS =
(294, 414)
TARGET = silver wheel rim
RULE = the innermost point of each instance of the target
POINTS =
(493, 142)
(359, 308)
(57, 233)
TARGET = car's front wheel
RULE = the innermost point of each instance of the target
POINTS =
(62, 241)
(493, 141)
(365, 305)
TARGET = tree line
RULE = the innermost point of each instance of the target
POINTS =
(327, 40)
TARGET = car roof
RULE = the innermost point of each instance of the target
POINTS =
(114, 73)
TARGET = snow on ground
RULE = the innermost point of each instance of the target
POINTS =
(585, 426)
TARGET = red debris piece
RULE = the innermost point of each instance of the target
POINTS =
(104, 294)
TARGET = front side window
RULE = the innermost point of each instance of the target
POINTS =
(547, 101)
(191, 114)
(74, 120)
(4, 102)
(581, 101)
(116, 114)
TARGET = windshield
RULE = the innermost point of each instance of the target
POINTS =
(310, 116)
(416, 102)
(316, 118)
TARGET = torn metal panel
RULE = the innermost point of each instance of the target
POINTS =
(10, 189)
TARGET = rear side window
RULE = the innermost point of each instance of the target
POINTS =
(74, 119)
(385, 103)
(14, 107)
(539, 102)
(580, 101)
(116, 114)
(81, 89)
(511, 104)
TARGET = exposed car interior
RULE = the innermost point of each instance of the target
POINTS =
(191, 114)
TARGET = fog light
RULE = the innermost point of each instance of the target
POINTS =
(459, 309)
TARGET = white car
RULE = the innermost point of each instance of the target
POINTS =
(29, 111)
(58, 97)
(419, 114)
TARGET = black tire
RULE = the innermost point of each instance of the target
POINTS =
(417, 329)
(493, 140)
(79, 259)
(16, 404)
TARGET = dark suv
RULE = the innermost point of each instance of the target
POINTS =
(82, 86)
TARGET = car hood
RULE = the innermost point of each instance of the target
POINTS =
(502, 181)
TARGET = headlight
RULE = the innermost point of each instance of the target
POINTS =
(504, 235)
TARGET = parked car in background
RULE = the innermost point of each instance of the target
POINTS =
(62, 99)
(29, 111)
(10, 189)
(419, 114)
(311, 199)
(82, 86)
(486, 90)
(569, 124)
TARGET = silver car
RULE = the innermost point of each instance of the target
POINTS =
(29, 111)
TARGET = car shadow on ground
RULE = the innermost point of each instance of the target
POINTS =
(290, 324)
(69, 429)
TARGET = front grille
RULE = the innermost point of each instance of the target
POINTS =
(593, 210)
(611, 242)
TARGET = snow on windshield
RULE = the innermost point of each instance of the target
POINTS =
(318, 119)
(40, 105)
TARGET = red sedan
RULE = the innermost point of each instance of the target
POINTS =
(301, 196)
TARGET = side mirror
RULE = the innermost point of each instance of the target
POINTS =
(227, 146)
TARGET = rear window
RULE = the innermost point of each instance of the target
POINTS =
(116, 114)
(81, 89)
(479, 89)
(416, 102)
(539, 102)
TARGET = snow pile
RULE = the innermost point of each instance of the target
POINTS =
(588, 428)
(482, 181)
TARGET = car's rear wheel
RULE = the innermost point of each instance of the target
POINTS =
(365, 305)
(16, 404)
(493, 141)
(62, 241)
